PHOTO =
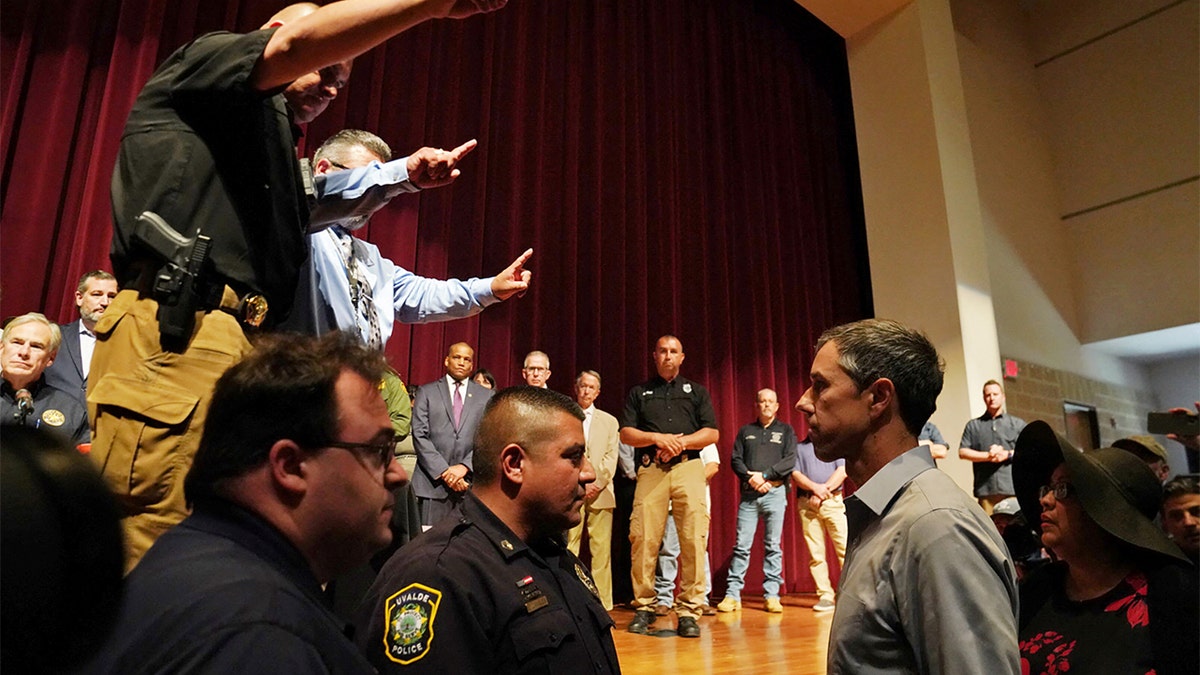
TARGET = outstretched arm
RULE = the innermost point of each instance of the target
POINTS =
(514, 280)
(342, 30)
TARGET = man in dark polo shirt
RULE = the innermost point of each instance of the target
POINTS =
(668, 420)
(763, 454)
(209, 146)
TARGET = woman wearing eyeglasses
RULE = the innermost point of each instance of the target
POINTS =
(1120, 597)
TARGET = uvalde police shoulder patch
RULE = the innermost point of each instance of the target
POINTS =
(409, 616)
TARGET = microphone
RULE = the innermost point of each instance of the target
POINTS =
(24, 404)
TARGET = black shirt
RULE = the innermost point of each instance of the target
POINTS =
(204, 150)
(680, 406)
(770, 450)
(225, 592)
(468, 596)
(53, 409)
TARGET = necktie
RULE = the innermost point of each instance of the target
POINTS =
(587, 424)
(360, 291)
(458, 404)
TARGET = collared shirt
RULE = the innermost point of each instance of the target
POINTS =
(87, 345)
(469, 596)
(226, 592)
(323, 300)
(587, 421)
(680, 406)
(981, 433)
(450, 386)
(813, 468)
(928, 586)
(770, 450)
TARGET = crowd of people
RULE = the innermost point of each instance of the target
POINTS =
(256, 476)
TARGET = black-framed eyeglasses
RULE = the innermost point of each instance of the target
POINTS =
(1061, 490)
(343, 167)
(382, 451)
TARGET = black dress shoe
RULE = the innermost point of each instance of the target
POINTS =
(688, 627)
(641, 622)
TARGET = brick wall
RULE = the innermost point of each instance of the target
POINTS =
(1039, 393)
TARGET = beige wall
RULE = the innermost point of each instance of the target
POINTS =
(1030, 180)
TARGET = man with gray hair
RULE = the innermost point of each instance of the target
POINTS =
(535, 369)
(28, 346)
(923, 562)
(346, 283)
(602, 435)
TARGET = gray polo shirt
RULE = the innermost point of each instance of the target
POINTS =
(928, 586)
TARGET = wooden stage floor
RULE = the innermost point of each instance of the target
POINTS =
(748, 641)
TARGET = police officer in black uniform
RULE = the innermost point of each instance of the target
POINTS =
(491, 588)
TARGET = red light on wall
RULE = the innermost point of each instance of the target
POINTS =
(1011, 369)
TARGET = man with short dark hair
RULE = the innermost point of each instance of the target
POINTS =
(291, 486)
(1181, 514)
(28, 346)
(988, 442)
(668, 420)
(69, 371)
(494, 590)
(923, 562)
(535, 369)
(210, 147)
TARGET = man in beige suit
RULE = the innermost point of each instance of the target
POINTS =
(603, 436)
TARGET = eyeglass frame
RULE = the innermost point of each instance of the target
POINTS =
(385, 451)
(1062, 490)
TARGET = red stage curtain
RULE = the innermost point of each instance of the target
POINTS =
(678, 166)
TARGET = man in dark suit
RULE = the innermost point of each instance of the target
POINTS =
(69, 371)
(445, 416)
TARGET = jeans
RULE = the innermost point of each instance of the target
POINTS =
(771, 507)
(668, 566)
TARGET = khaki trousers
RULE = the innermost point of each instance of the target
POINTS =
(829, 518)
(147, 408)
(680, 490)
(599, 528)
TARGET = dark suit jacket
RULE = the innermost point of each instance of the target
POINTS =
(439, 445)
(66, 373)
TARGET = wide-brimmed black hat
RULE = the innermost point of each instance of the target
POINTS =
(1115, 488)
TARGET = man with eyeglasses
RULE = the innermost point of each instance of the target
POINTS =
(446, 413)
(291, 486)
(535, 369)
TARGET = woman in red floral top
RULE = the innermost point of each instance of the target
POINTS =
(1121, 597)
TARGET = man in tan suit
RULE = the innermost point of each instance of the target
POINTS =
(602, 434)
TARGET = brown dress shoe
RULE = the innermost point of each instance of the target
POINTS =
(662, 610)
(708, 610)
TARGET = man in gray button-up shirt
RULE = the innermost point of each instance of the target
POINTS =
(928, 586)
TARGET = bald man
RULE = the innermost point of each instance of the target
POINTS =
(763, 455)
(446, 413)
